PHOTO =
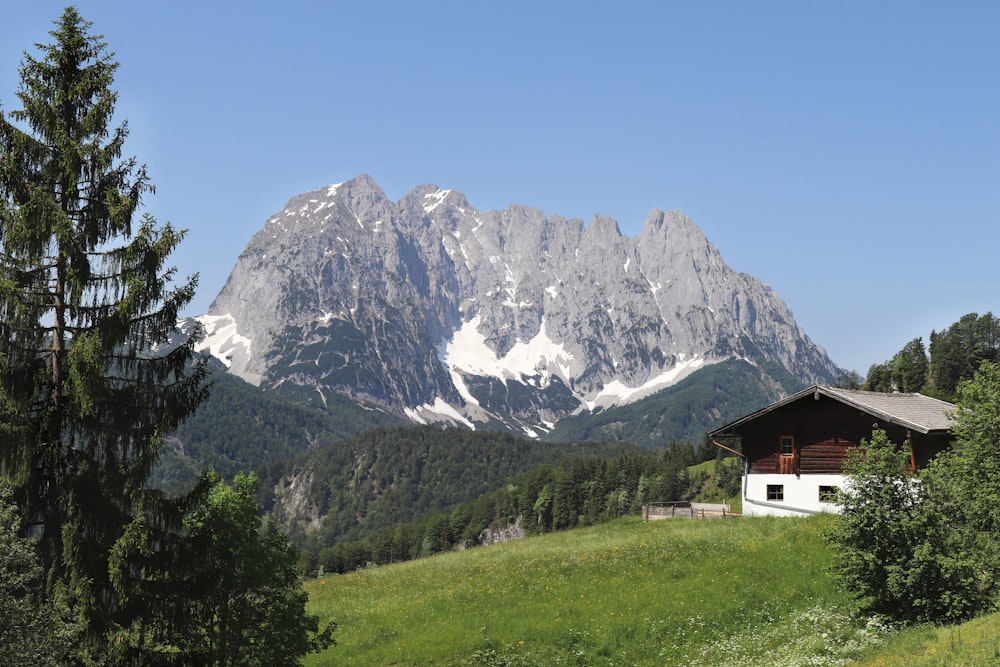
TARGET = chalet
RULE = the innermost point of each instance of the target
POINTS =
(794, 449)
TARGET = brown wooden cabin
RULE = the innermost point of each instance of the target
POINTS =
(794, 449)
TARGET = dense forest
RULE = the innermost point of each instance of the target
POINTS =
(382, 477)
(240, 428)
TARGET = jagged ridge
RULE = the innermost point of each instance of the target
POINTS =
(442, 312)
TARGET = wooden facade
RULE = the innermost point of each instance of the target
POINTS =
(821, 431)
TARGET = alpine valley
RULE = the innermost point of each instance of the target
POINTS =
(428, 310)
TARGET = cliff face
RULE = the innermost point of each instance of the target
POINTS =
(445, 313)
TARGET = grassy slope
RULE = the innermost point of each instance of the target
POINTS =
(972, 644)
(715, 592)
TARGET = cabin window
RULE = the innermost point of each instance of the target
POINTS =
(828, 494)
(787, 445)
(775, 491)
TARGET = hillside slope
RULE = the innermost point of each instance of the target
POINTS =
(686, 411)
(242, 428)
(714, 592)
(385, 477)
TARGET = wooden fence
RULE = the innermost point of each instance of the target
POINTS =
(682, 509)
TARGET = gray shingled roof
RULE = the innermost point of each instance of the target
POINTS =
(914, 411)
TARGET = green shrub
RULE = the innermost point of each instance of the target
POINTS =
(902, 553)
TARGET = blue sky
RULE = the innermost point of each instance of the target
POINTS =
(846, 153)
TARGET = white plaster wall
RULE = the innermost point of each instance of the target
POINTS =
(801, 494)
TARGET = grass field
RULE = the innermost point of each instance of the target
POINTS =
(712, 592)
(972, 644)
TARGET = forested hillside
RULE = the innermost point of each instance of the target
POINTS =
(382, 477)
(241, 428)
(686, 411)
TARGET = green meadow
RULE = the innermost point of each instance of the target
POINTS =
(677, 592)
(972, 644)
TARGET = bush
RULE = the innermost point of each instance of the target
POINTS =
(902, 551)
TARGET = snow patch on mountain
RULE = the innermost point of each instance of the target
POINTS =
(224, 342)
(430, 413)
(438, 196)
(618, 393)
(539, 357)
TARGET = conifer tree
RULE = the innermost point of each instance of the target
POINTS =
(908, 369)
(90, 374)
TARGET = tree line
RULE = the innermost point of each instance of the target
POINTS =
(240, 427)
(953, 356)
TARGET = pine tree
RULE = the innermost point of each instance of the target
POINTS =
(89, 377)
(957, 352)
(908, 369)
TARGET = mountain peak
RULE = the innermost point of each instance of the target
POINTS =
(604, 226)
(499, 317)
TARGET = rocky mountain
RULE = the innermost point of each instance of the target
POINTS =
(432, 309)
